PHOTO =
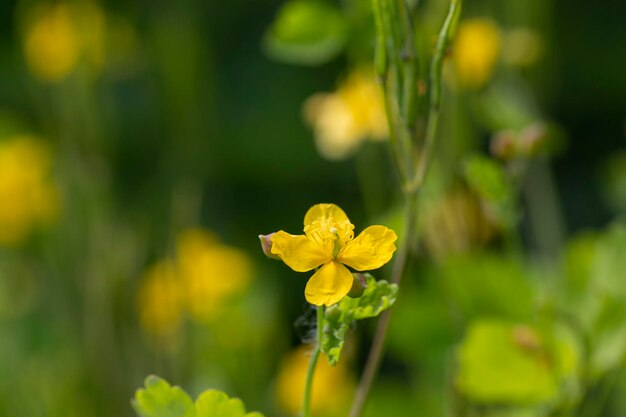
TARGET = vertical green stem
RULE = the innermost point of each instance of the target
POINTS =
(308, 386)
(375, 355)
(414, 175)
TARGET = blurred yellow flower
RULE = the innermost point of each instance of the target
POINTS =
(203, 277)
(345, 118)
(332, 386)
(210, 273)
(160, 303)
(28, 195)
(476, 51)
(329, 242)
(57, 36)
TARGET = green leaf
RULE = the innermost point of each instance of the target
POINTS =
(502, 363)
(213, 403)
(507, 363)
(159, 399)
(306, 32)
(482, 284)
(485, 176)
(379, 296)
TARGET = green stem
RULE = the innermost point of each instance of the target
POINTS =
(308, 386)
(375, 355)
(399, 127)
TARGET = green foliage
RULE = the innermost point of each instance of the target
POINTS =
(592, 294)
(306, 32)
(504, 363)
(488, 179)
(379, 296)
(160, 399)
(482, 284)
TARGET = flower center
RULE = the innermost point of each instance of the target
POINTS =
(337, 242)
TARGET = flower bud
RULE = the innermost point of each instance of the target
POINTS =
(266, 246)
(504, 145)
(533, 139)
(359, 285)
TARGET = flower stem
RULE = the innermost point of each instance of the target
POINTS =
(375, 355)
(308, 386)
(412, 181)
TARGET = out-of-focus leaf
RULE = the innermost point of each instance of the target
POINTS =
(159, 399)
(379, 296)
(485, 176)
(487, 285)
(500, 362)
(506, 106)
(213, 403)
(306, 32)
(592, 293)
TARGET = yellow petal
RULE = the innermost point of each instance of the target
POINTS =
(325, 223)
(371, 249)
(299, 252)
(328, 285)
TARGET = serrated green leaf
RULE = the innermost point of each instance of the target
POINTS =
(379, 296)
(159, 399)
(306, 32)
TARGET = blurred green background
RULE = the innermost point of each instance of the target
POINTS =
(145, 145)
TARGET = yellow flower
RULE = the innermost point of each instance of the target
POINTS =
(210, 273)
(343, 119)
(476, 52)
(332, 386)
(58, 36)
(160, 304)
(27, 194)
(329, 242)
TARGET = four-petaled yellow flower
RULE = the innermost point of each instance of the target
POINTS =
(329, 242)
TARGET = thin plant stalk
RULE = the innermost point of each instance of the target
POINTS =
(308, 386)
(375, 354)
(411, 184)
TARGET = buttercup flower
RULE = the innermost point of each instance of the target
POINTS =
(58, 36)
(329, 243)
(28, 195)
(332, 385)
(345, 118)
(476, 52)
(211, 273)
(160, 301)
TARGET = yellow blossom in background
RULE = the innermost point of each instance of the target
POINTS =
(211, 273)
(332, 386)
(329, 243)
(343, 119)
(476, 51)
(159, 299)
(199, 282)
(28, 195)
(57, 37)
